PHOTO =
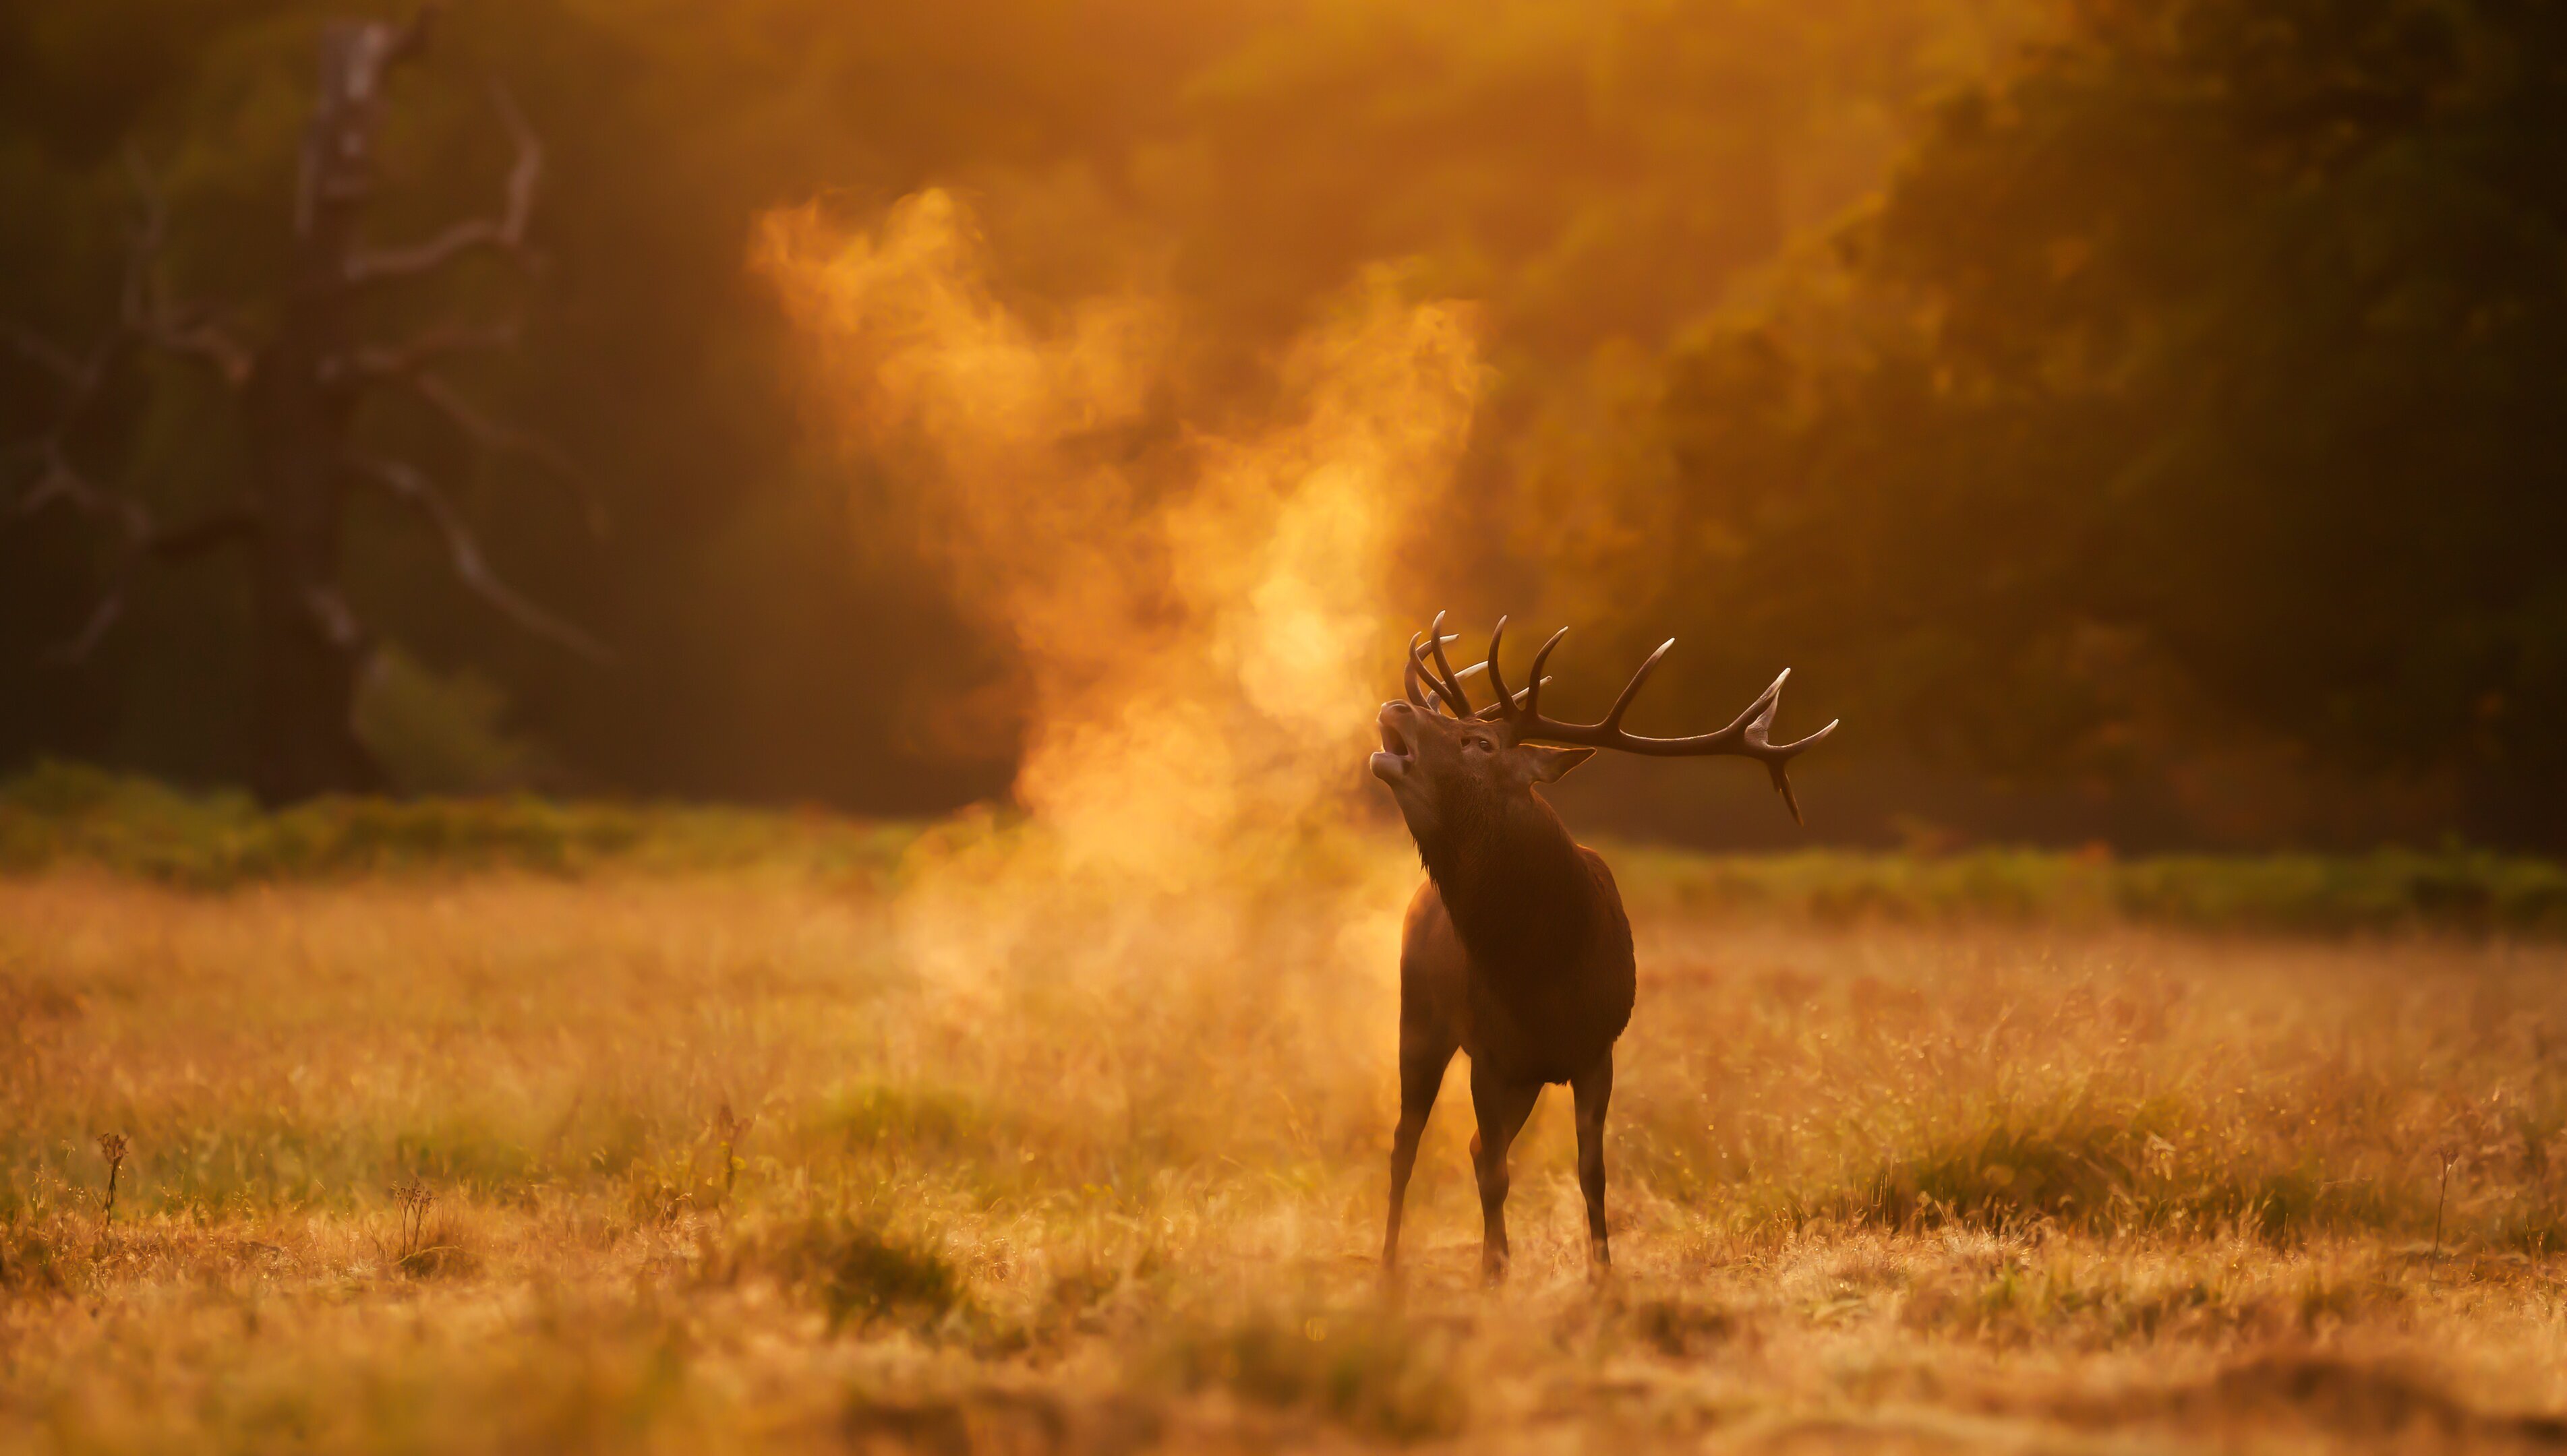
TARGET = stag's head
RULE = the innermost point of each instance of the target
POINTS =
(1445, 770)
(1448, 761)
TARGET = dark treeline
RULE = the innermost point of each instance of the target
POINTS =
(2129, 414)
(2187, 412)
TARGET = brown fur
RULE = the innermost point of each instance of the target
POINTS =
(1517, 952)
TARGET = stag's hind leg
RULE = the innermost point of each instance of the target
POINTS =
(1424, 1053)
(1594, 1090)
(1502, 1106)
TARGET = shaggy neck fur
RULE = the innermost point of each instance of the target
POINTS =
(1513, 880)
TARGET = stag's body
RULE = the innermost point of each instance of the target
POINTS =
(1516, 950)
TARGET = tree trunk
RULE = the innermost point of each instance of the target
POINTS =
(310, 648)
(298, 397)
(312, 652)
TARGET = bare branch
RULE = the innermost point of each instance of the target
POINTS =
(57, 479)
(195, 335)
(222, 527)
(500, 437)
(82, 378)
(102, 619)
(408, 364)
(144, 315)
(505, 233)
(406, 484)
(335, 620)
(44, 354)
(62, 482)
(414, 36)
(168, 545)
(377, 364)
(148, 313)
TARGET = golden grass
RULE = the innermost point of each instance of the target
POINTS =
(704, 1163)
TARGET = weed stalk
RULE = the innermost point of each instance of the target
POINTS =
(111, 1146)
(729, 1128)
(2441, 1197)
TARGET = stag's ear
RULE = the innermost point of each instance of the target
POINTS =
(1545, 765)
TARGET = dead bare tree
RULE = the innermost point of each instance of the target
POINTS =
(1517, 949)
(299, 391)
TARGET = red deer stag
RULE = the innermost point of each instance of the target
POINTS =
(1516, 950)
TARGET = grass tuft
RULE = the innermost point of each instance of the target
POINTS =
(1362, 1368)
(34, 1257)
(863, 1274)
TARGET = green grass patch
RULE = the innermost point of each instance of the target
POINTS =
(59, 816)
(2464, 891)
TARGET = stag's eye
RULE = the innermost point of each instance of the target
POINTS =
(1483, 745)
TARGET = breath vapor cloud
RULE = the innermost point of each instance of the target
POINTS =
(1204, 615)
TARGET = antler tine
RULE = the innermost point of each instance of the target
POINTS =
(1753, 720)
(1782, 785)
(1408, 674)
(1497, 678)
(1533, 694)
(1787, 750)
(1780, 763)
(1613, 720)
(1438, 688)
(1761, 713)
(1777, 758)
(1420, 673)
(1436, 640)
(1496, 712)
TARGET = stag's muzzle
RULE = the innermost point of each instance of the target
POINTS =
(1398, 752)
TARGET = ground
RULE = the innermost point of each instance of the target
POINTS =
(716, 1161)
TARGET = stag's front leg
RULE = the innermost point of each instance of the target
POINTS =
(1502, 1106)
(1594, 1090)
(1424, 1053)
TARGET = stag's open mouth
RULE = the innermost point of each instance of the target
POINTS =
(1395, 755)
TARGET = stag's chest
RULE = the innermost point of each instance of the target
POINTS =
(1547, 1023)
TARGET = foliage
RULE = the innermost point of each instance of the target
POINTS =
(1594, 175)
(2174, 400)
(441, 733)
(2193, 383)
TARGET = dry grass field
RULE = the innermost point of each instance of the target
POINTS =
(720, 1162)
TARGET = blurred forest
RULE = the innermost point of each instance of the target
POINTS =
(2131, 414)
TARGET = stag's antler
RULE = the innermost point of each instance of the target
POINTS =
(1443, 690)
(1745, 737)
(1443, 686)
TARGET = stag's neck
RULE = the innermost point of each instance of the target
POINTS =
(1517, 888)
